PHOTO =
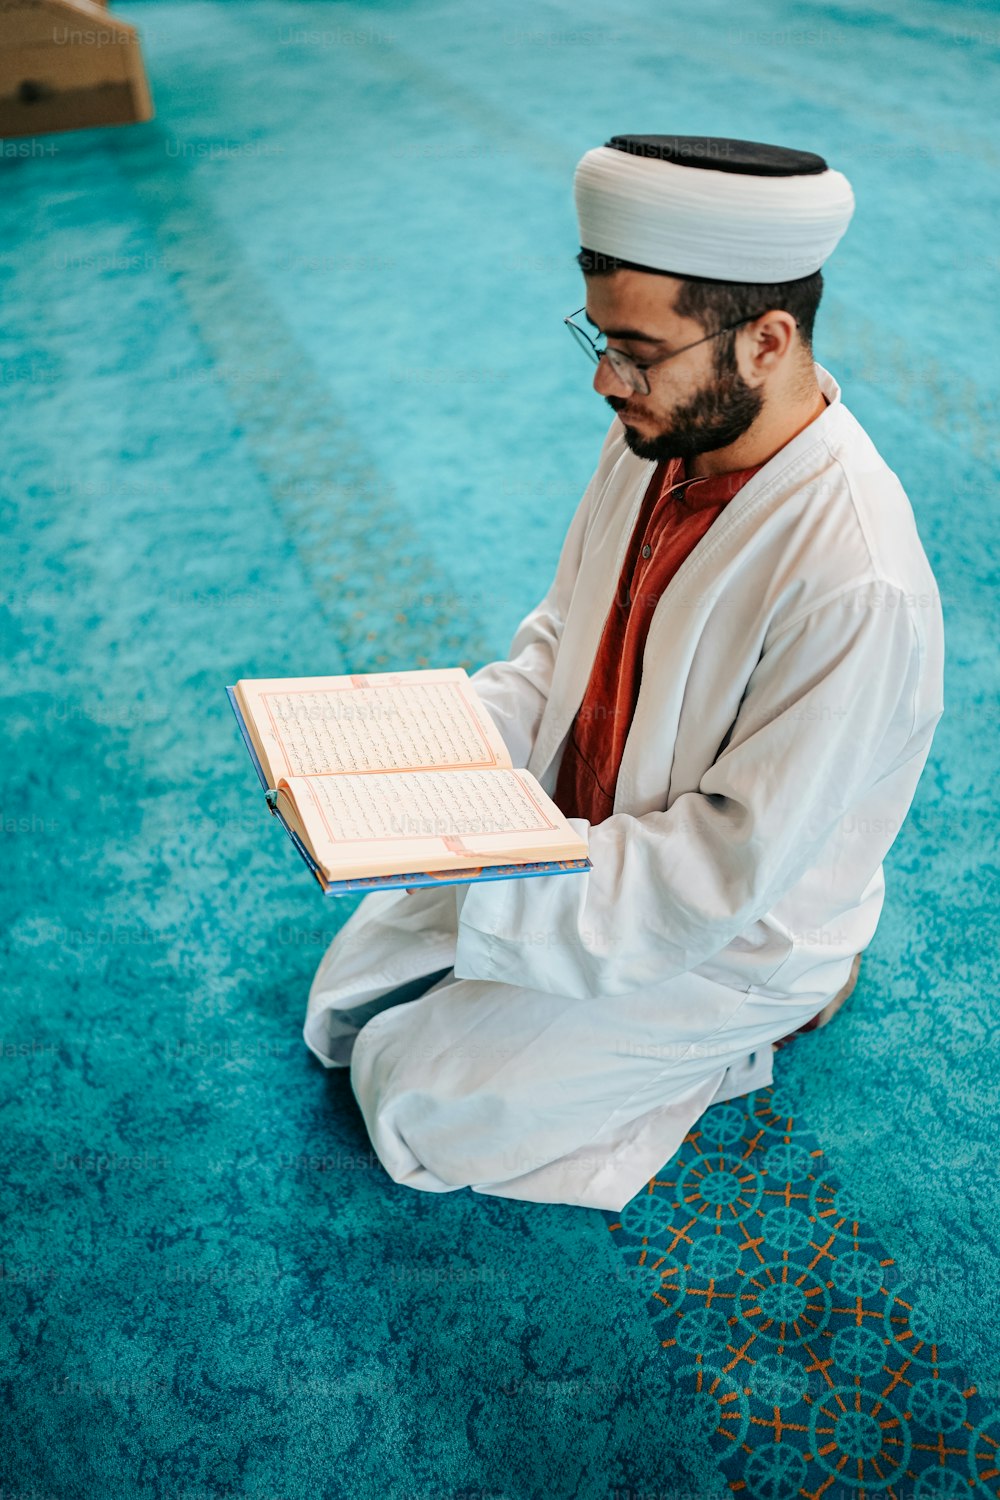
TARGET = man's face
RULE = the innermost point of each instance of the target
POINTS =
(693, 405)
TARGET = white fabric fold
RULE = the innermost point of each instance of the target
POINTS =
(698, 221)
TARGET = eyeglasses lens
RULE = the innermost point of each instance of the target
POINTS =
(586, 344)
(623, 367)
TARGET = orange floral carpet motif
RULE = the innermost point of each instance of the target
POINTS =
(815, 1372)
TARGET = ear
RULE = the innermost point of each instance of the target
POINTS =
(767, 343)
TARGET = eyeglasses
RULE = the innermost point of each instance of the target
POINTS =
(630, 370)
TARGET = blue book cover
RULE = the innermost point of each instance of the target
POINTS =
(396, 882)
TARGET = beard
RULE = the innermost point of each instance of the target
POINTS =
(715, 416)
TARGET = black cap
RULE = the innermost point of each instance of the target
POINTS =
(716, 153)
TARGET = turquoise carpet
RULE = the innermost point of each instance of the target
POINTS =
(285, 390)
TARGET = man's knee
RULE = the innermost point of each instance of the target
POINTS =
(460, 1133)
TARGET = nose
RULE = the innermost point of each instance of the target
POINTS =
(608, 383)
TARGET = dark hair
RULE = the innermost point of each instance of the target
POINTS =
(715, 303)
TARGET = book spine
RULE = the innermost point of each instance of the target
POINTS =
(456, 877)
(246, 737)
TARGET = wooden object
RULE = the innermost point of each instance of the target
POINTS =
(68, 65)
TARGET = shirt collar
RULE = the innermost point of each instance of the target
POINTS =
(704, 490)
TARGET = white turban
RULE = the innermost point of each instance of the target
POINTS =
(708, 206)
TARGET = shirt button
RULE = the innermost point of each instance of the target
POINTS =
(647, 549)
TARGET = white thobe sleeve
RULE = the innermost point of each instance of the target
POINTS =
(516, 691)
(830, 708)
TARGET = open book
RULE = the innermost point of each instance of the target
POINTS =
(398, 779)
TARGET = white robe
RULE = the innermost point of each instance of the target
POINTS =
(580, 1024)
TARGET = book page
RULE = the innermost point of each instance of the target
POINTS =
(381, 824)
(381, 721)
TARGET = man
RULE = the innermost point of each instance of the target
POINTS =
(730, 689)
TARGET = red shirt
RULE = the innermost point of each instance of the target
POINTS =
(674, 516)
